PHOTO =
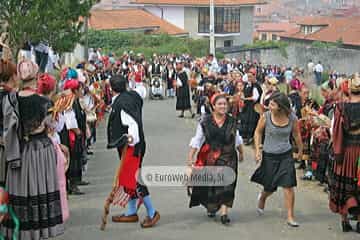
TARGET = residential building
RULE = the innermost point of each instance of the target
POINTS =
(135, 20)
(270, 31)
(233, 18)
(114, 4)
(326, 29)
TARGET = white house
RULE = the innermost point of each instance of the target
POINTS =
(233, 18)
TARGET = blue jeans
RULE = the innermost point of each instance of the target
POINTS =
(318, 78)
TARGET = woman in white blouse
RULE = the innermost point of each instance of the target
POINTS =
(219, 144)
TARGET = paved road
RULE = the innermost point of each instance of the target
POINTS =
(167, 141)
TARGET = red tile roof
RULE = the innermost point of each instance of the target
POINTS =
(131, 19)
(334, 29)
(199, 2)
(275, 27)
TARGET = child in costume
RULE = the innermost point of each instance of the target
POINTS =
(7, 212)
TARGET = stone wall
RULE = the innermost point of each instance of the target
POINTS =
(342, 60)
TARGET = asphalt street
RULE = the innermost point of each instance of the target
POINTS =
(167, 145)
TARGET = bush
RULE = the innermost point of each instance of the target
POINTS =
(118, 42)
(319, 44)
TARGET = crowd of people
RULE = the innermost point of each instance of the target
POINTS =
(273, 105)
(48, 127)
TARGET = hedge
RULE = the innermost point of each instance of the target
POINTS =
(119, 42)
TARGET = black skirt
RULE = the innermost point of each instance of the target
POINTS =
(276, 170)
(213, 197)
(248, 121)
(183, 101)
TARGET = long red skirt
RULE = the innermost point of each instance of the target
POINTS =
(344, 189)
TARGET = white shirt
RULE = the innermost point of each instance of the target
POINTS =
(70, 120)
(245, 78)
(255, 95)
(60, 123)
(88, 102)
(127, 120)
(93, 56)
(198, 140)
(310, 67)
(141, 90)
(319, 68)
(133, 128)
(214, 66)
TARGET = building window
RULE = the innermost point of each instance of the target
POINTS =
(204, 20)
(274, 37)
(228, 43)
(263, 37)
(307, 29)
(227, 20)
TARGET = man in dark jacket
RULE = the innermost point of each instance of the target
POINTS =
(125, 128)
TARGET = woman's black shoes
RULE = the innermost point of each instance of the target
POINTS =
(225, 219)
(346, 227)
(358, 227)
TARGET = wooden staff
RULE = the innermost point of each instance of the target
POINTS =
(115, 187)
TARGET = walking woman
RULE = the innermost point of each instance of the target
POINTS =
(345, 175)
(220, 144)
(183, 101)
(8, 80)
(277, 168)
(32, 177)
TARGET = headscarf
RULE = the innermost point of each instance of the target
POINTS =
(273, 81)
(71, 74)
(295, 84)
(71, 84)
(46, 83)
(27, 70)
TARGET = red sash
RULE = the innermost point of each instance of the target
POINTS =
(127, 176)
(72, 138)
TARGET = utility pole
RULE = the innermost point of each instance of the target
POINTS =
(212, 27)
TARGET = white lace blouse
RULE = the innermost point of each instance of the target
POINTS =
(198, 140)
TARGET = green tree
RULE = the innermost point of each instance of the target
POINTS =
(58, 22)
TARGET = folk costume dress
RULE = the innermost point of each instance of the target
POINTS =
(3, 94)
(221, 143)
(32, 179)
(126, 118)
(75, 118)
(344, 180)
(170, 78)
(183, 101)
(305, 125)
(249, 116)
